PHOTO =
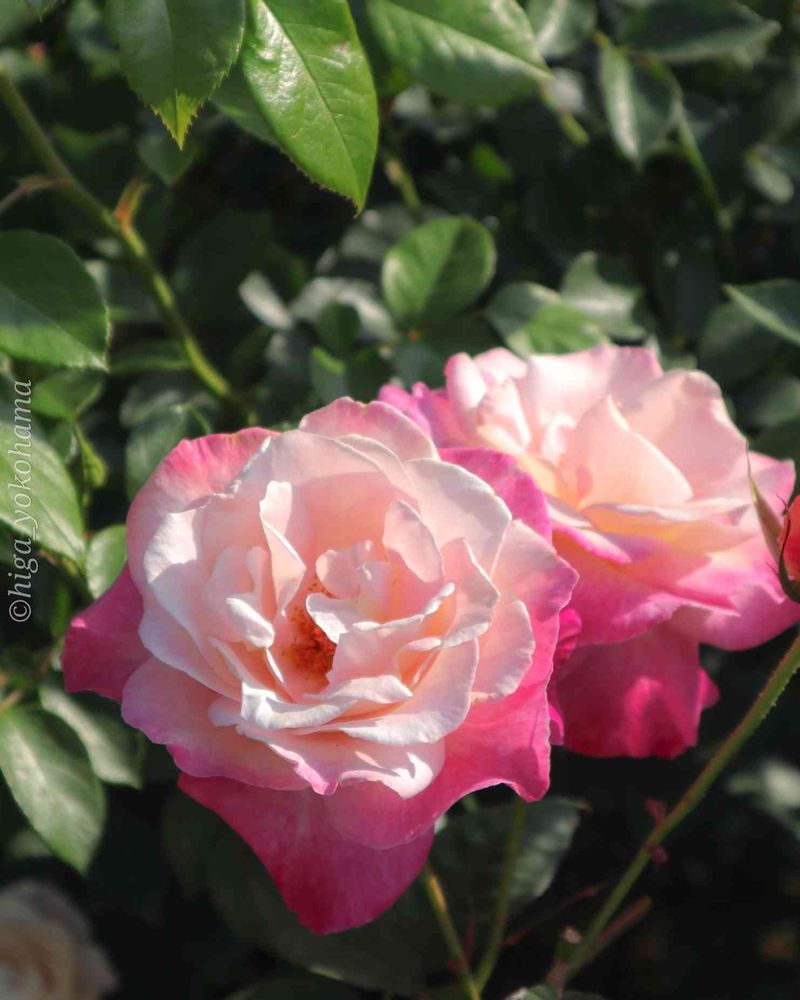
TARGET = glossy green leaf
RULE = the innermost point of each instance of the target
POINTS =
(308, 73)
(474, 51)
(50, 308)
(437, 269)
(639, 101)
(41, 501)
(561, 25)
(684, 31)
(234, 99)
(774, 304)
(175, 53)
(105, 557)
(47, 769)
(115, 751)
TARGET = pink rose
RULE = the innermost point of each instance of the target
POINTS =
(647, 485)
(336, 634)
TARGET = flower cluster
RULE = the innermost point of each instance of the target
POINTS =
(340, 630)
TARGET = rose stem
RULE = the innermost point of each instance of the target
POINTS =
(694, 794)
(124, 231)
(433, 887)
(500, 919)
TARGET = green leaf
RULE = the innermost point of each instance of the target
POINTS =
(50, 308)
(639, 101)
(768, 178)
(65, 395)
(532, 318)
(35, 471)
(771, 400)
(684, 31)
(328, 375)
(474, 51)
(604, 289)
(190, 834)
(437, 270)
(308, 73)
(14, 16)
(105, 558)
(175, 53)
(292, 987)
(561, 25)
(774, 304)
(234, 99)
(468, 855)
(780, 441)
(48, 772)
(338, 327)
(160, 154)
(94, 471)
(733, 347)
(155, 437)
(115, 751)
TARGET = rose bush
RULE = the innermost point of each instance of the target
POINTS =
(337, 634)
(646, 479)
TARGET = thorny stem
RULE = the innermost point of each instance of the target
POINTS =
(694, 794)
(122, 229)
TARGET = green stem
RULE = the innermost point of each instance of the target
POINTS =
(399, 174)
(433, 888)
(500, 919)
(691, 798)
(132, 243)
(705, 180)
(568, 123)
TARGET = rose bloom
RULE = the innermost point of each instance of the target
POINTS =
(789, 544)
(336, 634)
(46, 948)
(646, 480)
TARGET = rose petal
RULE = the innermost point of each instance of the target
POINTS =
(102, 648)
(639, 698)
(331, 883)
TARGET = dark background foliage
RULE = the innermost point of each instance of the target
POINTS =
(643, 192)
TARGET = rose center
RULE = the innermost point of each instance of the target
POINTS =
(310, 649)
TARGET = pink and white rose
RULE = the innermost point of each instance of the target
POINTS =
(646, 479)
(337, 634)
